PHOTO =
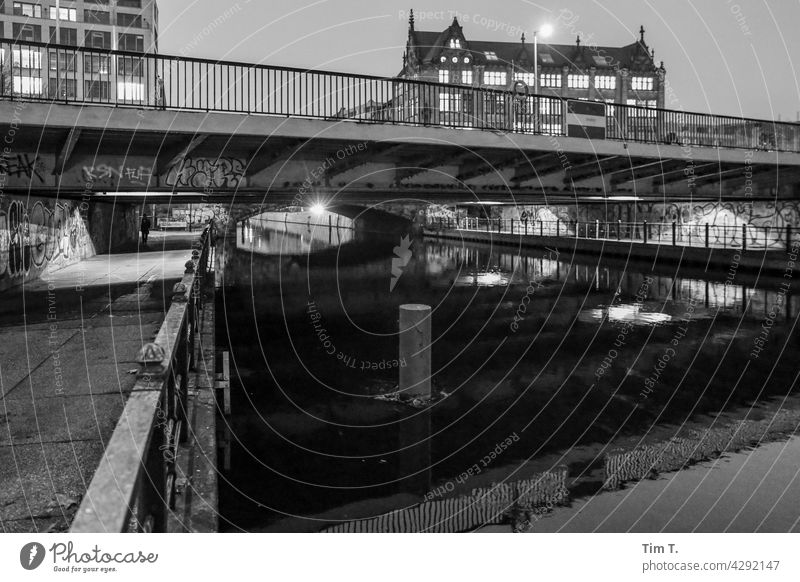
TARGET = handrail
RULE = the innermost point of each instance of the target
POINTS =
(739, 237)
(133, 488)
(89, 75)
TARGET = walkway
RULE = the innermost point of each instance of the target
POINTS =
(68, 350)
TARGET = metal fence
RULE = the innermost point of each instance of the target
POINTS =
(68, 74)
(133, 489)
(744, 236)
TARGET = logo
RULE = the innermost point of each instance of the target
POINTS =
(31, 556)
(402, 255)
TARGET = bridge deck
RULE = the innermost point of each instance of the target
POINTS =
(66, 373)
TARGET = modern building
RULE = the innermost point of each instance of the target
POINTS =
(125, 25)
(627, 74)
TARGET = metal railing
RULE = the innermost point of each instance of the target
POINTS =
(743, 237)
(67, 74)
(133, 489)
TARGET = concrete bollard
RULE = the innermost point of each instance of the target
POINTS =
(415, 350)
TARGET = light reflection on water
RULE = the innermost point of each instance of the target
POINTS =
(540, 383)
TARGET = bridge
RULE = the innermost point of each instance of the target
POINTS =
(88, 134)
(86, 123)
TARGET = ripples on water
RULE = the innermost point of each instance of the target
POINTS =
(598, 373)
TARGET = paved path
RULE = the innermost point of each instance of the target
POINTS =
(68, 347)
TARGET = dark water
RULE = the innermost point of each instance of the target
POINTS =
(548, 370)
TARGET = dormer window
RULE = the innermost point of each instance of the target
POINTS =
(490, 55)
(455, 43)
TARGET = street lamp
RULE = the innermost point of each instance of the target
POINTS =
(545, 31)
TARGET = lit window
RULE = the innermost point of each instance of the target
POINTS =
(444, 76)
(578, 81)
(490, 55)
(466, 77)
(27, 85)
(494, 78)
(611, 110)
(605, 82)
(642, 83)
(455, 43)
(69, 14)
(449, 102)
(546, 58)
(27, 58)
(600, 60)
(549, 107)
(527, 78)
(550, 80)
(27, 9)
(128, 91)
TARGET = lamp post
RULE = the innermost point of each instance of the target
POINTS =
(544, 31)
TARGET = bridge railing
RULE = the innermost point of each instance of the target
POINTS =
(83, 75)
(133, 488)
(742, 237)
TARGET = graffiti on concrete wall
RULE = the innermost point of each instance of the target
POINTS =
(33, 236)
(28, 167)
(124, 175)
(206, 173)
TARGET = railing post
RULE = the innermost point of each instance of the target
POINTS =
(674, 234)
(645, 232)
(708, 228)
(558, 228)
(499, 225)
(541, 228)
(597, 229)
(512, 226)
(744, 237)
(619, 229)
(526, 227)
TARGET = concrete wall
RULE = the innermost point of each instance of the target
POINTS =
(39, 235)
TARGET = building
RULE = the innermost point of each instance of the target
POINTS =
(125, 25)
(626, 75)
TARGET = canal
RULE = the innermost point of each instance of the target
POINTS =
(560, 382)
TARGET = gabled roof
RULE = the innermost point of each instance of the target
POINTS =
(429, 45)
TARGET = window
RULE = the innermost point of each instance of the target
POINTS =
(494, 78)
(527, 78)
(129, 3)
(95, 64)
(549, 107)
(129, 20)
(455, 43)
(578, 81)
(645, 104)
(69, 36)
(27, 32)
(449, 102)
(611, 109)
(546, 58)
(600, 60)
(642, 83)
(27, 85)
(131, 42)
(97, 17)
(129, 67)
(69, 14)
(25, 58)
(444, 76)
(550, 80)
(62, 61)
(27, 9)
(490, 55)
(95, 89)
(98, 39)
(130, 91)
(466, 77)
(494, 104)
(605, 82)
(62, 88)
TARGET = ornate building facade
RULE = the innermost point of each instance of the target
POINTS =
(626, 75)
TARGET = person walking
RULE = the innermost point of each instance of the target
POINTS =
(145, 228)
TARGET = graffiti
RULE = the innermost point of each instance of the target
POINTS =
(138, 175)
(23, 166)
(33, 237)
(205, 173)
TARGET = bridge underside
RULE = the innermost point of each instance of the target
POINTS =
(101, 152)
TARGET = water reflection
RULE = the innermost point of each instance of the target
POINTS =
(557, 350)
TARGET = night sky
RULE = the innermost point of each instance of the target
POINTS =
(737, 57)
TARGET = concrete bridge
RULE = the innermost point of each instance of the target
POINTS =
(211, 130)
